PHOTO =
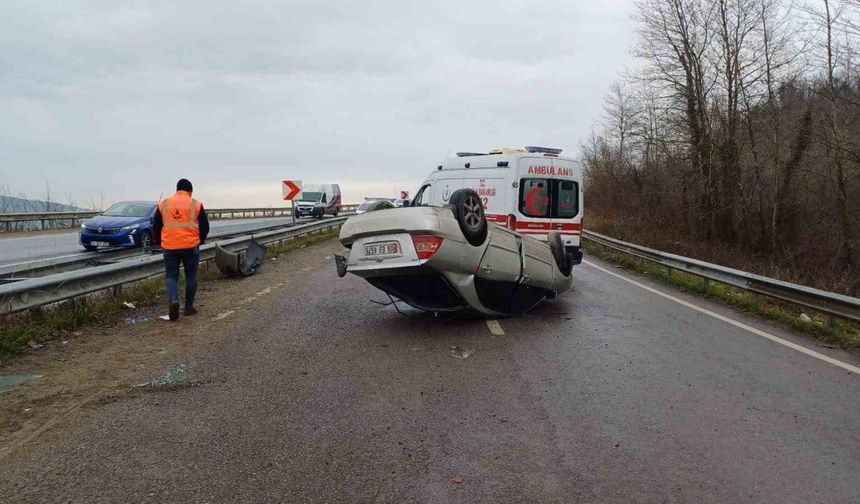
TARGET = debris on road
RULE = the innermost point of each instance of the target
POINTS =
(240, 264)
(164, 317)
(128, 305)
(7, 383)
(806, 318)
(137, 320)
(35, 345)
(175, 375)
(223, 315)
(457, 480)
(460, 353)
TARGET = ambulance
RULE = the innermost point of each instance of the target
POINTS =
(532, 190)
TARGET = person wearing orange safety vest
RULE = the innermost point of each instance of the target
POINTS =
(181, 226)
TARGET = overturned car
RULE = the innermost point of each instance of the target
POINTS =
(449, 258)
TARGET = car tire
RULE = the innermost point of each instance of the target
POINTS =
(145, 239)
(556, 245)
(469, 211)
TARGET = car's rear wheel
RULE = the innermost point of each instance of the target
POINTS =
(556, 245)
(469, 211)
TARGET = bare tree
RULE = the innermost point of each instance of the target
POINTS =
(676, 36)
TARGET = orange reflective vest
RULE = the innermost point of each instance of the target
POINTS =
(179, 214)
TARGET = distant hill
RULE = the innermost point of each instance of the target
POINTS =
(10, 204)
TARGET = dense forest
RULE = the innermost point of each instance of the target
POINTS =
(736, 138)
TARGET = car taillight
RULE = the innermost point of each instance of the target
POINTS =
(426, 245)
(511, 222)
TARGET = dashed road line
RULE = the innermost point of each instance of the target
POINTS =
(495, 328)
(223, 315)
(758, 332)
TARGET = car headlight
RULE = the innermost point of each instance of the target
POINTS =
(133, 226)
(83, 226)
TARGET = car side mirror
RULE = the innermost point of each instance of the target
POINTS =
(406, 203)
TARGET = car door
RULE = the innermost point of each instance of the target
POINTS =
(499, 271)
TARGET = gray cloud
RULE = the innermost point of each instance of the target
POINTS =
(125, 98)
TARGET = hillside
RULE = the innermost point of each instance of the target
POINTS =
(10, 204)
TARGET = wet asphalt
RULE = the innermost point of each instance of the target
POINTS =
(606, 394)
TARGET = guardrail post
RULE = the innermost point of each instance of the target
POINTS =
(116, 291)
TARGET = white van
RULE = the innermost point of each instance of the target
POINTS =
(533, 190)
(319, 199)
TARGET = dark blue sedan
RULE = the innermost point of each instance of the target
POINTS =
(127, 224)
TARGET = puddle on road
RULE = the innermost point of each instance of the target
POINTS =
(8, 383)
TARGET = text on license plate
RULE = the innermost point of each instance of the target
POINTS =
(382, 248)
(100, 244)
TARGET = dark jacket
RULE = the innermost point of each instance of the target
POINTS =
(202, 221)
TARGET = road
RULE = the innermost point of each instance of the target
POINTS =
(22, 248)
(609, 393)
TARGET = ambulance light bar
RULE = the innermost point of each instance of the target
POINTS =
(543, 150)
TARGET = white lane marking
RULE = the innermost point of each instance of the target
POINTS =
(264, 291)
(78, 254)
(222, 316)
(741, 325)
(495, 327)
(39, 237)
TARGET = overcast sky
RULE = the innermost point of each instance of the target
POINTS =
(122, 98)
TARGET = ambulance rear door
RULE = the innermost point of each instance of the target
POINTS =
(566, 200)
(533, 210)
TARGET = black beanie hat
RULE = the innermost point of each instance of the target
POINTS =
(184, 185)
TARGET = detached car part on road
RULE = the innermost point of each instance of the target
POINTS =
(240, 264)
(450, 258)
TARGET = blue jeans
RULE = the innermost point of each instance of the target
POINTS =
(189, 258)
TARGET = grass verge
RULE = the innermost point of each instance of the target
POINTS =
(835, 332)
(29, 329)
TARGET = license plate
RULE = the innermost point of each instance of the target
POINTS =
(100, 244)
(382, 249)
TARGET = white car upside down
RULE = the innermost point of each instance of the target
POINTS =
(444, 259)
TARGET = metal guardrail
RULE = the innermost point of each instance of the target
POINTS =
(39, 267)
(34, 292)
(73, 218)
(837, 305)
